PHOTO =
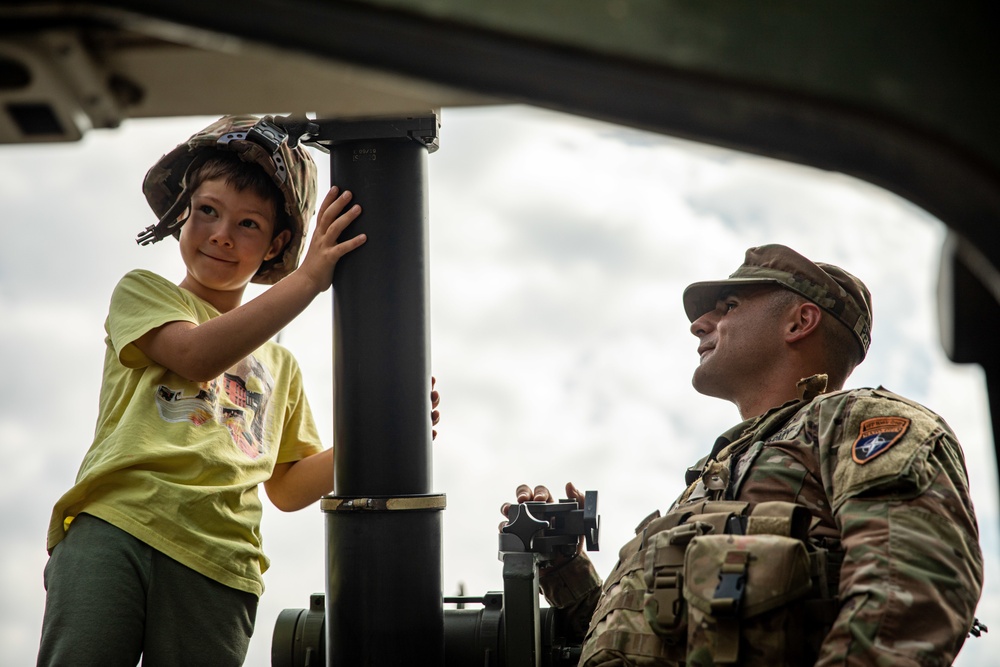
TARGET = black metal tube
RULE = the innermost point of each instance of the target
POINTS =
(383, 594)
(380, 323)
(384, 599)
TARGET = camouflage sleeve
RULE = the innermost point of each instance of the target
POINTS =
(913, 570)
(575, 588)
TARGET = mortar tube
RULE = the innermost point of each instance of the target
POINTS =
(383, 524)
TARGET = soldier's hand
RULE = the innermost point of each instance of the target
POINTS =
(525, 493)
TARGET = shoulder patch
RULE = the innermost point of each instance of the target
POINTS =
(876, 436)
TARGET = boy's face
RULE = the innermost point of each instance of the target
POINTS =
(224, 241)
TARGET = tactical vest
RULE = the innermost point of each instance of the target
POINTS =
(716, 582)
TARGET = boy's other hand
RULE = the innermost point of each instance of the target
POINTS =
(435, 413)
(335, 214)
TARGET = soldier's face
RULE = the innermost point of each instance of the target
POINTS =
(738, 342)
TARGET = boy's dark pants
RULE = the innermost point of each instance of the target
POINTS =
(111, 598)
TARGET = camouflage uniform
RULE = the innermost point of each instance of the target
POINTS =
(885, 481)
(912, 568)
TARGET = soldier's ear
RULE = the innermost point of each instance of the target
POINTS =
(803, 322)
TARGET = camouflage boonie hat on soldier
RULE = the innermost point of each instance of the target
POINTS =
(829, 287)
(256, 140)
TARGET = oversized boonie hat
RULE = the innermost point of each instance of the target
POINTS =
(829, 287)
(257, 140)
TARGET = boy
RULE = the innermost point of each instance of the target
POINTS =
(156, 551)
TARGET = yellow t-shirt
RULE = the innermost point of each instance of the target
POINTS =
(177, 463)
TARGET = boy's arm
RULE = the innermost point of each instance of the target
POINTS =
(204, 351)
(296, 485)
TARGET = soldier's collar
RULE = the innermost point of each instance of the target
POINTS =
(807, 388)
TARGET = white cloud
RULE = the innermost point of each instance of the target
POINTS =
(559, 249)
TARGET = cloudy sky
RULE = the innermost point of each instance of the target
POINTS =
(559, 250)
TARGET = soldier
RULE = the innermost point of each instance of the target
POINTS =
(871, 557)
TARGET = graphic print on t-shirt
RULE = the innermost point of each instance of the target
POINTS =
(238, 400)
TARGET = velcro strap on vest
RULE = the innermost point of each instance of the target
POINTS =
(778, 517)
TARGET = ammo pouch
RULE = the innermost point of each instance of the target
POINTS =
(714, 583)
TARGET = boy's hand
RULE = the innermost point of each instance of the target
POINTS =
(435, 413)
(335, 214)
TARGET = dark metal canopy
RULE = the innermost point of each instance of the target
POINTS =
(898, 93)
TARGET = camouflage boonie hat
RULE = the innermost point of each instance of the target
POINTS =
(256, 140)
(829, 287)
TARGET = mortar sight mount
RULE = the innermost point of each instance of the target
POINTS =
(509, 629)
